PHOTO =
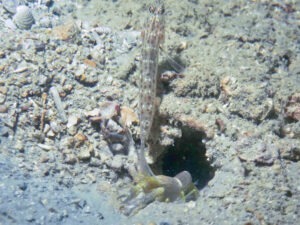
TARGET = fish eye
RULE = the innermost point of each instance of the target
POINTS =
(151, 9)
(161, 10)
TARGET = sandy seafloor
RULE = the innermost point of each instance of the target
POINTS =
(231, 117)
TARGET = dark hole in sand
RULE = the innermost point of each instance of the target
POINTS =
(188, 153)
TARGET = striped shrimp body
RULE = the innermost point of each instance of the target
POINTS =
(150, 187)
(152, 38)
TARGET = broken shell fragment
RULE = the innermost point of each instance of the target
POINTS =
(106, 110)
(93, 113)
(80, 137)
(72, 121)
(292, 108)
(66, 31)
(128, 116)
(109, 109)
(23, 18)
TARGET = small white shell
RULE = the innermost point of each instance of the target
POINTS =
(10, 5)
(23, 18)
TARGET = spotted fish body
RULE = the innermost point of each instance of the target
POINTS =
(152, 38)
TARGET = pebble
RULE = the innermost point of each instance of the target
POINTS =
(191, 204)
(109, 109)
(91, 177)
(114, 126)
(105, 154)
(39, 47)
(84, 154)
(56, 128)
(29, 218)
(4, 131)
(117, 148)
(64, 213)
(84, 180)
(95, 162)
(117, 162)
(46, 147)
(19, 146)
(92, 113)
(90, 63)
(81, 204)
(72, 130)
(44, 159)
(67, 31)
(46, 128)
(68, 88)
(23, 186)
(44, 202)
(87, 210)
(67, 142)
(72, 121)
(2, 98)
(51, 134)
(80, 137)
(70, 159)
(3, 109)
(3, 90)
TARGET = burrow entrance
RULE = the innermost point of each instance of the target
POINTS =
(188, 153)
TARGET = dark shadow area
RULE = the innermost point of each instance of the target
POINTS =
(188, 153)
